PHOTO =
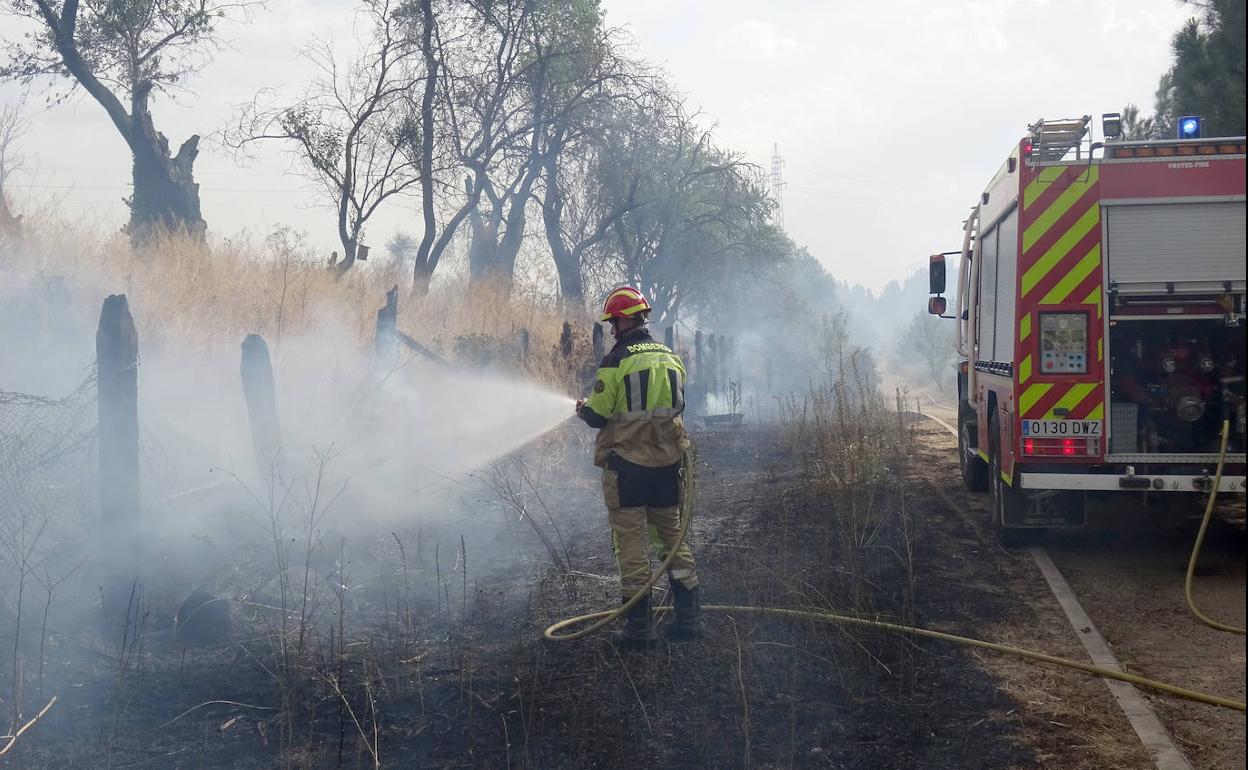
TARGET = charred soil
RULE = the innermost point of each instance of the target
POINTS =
(455, 675)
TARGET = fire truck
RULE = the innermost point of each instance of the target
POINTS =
(1099, 307)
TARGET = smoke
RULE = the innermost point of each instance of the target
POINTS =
(397, 437)
(394, 448)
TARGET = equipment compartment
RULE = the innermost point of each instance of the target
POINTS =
(1181, 378)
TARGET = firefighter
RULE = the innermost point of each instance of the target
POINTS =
(637, 400)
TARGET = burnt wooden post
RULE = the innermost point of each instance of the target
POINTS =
(565, 341)
(523, 345)
(117, 398)
(266, 431)
(699, 372)
(697, 354)
(712, 363)
(386, 339)
(669, 337)
(599, 348)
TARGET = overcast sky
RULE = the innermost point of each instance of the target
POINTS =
(890, 115)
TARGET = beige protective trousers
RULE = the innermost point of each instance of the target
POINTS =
(632, 525)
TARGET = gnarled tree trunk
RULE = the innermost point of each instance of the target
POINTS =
(166, 195)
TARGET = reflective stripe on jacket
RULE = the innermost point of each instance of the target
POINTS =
(638, 398)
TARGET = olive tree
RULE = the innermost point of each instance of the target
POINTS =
(122, 53)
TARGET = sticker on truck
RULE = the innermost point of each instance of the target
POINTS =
(1086, 428)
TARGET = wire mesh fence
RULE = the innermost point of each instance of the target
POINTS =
(48, 462)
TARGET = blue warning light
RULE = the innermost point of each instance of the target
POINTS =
(1189, 127)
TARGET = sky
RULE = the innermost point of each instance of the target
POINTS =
(890, 116)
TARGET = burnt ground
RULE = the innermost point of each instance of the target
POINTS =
(457, 677)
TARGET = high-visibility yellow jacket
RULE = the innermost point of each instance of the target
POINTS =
(638, 398)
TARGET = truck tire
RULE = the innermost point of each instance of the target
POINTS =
(974, 470)
(1006, 500)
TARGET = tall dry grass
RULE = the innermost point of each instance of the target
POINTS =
(853, 446)
(203, 299)
(208, 296)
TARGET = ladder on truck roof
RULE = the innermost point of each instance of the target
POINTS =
(1052, 140)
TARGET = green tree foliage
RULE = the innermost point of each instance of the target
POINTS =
(1208, 73)
(1207, 78)
(699, 212)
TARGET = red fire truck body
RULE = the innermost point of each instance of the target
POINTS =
(1100, 297)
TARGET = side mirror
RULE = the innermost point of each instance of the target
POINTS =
(937, 305)
(936, 274)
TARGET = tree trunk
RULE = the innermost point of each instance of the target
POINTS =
(571, 284)
(9, 224)
(343, 265)
(492, 260)
(166, 196)
(484, 254)
(421, 280)
(567, 261)
(426, 261)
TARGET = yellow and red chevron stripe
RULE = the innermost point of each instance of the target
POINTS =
(1059, 265)
(1040, 400)
(1061, 243)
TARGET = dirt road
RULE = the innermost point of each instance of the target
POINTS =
(457, 677)
(1128, 575)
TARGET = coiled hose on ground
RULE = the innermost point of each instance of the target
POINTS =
(596, 620)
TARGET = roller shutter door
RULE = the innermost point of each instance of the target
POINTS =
(1195, 246)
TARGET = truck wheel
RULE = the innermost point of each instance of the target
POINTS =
(974, 470)
(1006, 500)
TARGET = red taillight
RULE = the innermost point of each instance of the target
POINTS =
(1026, 148)
(1060, 447)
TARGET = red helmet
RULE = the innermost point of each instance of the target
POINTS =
(623, 303)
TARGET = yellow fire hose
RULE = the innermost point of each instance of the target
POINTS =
(599, 619)
(1200, 540)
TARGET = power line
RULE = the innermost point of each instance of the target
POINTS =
(128, 188)
(827, 177)
(858, 199)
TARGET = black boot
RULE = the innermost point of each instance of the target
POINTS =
(638, 632)
(688, 623)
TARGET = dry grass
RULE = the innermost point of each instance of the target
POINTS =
(851, 445)
(199, 301)
(209, 296)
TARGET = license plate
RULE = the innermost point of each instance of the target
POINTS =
(1060, 428)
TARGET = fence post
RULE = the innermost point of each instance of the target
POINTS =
(266, 432)
(599, 348)
(565, 341)
(699, 372)
(386, 339)
(117, 399)
(712, 363)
